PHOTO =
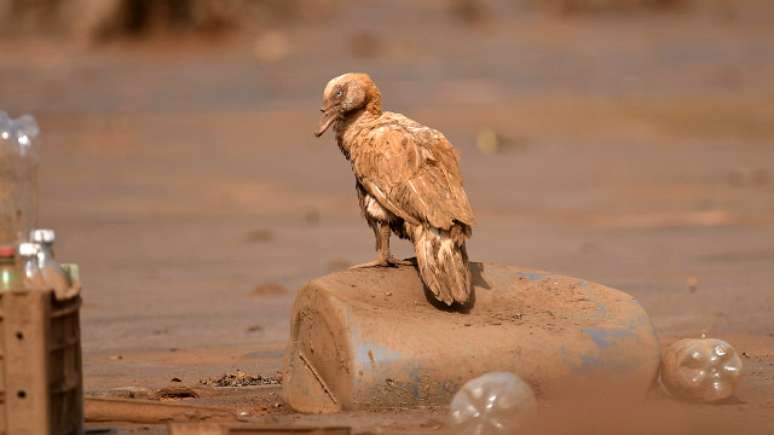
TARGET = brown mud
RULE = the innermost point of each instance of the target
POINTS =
(182, 174)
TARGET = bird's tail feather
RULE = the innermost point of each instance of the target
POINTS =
(443, 264)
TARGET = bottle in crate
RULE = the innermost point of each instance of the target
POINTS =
(19, 162)
(28, 256)
(10, 277)
(52, 272)
(41, 386)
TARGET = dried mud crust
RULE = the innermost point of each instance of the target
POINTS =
(562, 300)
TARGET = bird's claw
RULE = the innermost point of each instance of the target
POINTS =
(383, 262)
(395, 262)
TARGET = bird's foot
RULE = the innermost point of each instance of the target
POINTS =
(395, 262)
(388, 261)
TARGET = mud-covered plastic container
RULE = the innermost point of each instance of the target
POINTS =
(372, 339)
(41, 384)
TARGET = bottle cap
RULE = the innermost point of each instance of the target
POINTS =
(7, 251)
(28, 249)
(43, 235)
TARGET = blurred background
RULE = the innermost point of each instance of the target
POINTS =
(630, 142)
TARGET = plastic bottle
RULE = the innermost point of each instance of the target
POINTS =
(9, 174)
(18, 178)
(495, 403)
(53, 274)
(701, 369)
(33, 278)
(10, 278)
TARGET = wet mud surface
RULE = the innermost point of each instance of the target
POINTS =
(184, 178)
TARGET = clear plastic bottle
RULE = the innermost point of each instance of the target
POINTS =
(10, 278)
(28, 255)
(702, 369)
(18, 178)
(495, 403)
(53, 274)
(9, 174)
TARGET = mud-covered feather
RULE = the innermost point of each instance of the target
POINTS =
(413, 171)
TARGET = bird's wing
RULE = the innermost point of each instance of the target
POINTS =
(413, 171)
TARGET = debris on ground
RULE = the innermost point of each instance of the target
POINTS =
(130, 392)
(150, 412)
(239, 378)
(693, 284)
(489, 141)
(171, 392)
(175, 392)
(269, 288)
(470, 12)
(254, 328)
(217, 429)
(261, 235)
(312, 216)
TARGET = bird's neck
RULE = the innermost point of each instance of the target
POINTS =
(348, 128)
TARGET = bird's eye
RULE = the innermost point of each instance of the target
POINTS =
(339, 93)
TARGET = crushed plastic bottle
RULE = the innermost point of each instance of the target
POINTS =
(33, 278)
(53, 275)
(703, 369)
(495, 403)
(18, 177)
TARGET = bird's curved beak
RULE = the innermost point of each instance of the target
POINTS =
(329, 115)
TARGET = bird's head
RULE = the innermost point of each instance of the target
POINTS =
(348, 95)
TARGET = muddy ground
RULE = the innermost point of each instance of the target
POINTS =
(182, 175)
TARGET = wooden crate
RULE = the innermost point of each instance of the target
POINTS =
(41, 388)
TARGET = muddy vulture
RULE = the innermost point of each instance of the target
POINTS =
(408, 182)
